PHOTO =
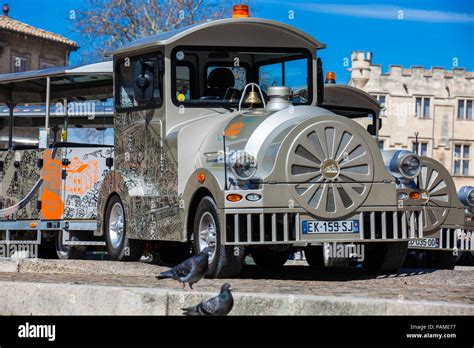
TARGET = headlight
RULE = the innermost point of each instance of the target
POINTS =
(410, 166)
(466, 195)
(406, 163)
(243, 165)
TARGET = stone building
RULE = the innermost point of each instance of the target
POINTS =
(433, 105)
(23, 47)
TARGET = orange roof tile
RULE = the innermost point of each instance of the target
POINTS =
(10, 24)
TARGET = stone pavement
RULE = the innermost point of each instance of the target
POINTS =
(294, 283)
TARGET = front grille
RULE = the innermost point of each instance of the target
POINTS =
(391, 225)
(462, 239)
(279, 228)
(249, 228)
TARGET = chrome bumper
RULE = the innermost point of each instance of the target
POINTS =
(259, 227)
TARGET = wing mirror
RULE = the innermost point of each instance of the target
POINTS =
(371, 128)
(143, 81)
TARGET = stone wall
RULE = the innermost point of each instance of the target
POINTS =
(441, 130)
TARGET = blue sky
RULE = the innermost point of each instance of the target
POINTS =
(430, 33)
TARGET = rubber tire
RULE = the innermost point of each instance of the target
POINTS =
(314, 255)
(441, 259)
(229, 259)
(385, 257)
(69, 252)
(135, 247)
(174, 253)
(267, 258)
(413, 260)
(47, 250)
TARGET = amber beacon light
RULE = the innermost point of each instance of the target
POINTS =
(240, 11)
(330, 77)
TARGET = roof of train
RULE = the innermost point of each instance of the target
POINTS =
(171, 36)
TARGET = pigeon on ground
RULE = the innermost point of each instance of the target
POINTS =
(190, 270)
(219, 305)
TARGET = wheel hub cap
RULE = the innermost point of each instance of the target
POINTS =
(208, 234)
(116, 225)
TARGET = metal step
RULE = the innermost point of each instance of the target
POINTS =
(78, 243)
(68, 242)
(10, 241)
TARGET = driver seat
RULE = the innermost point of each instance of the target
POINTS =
(218, 81)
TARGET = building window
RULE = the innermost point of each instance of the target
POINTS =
(381, 142)
(382, 101)
(420, 148)
(46, 64)
(422, 107)
(20, 63)
(464, 109)
(461, 159)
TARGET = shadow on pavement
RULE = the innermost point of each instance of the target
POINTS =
(322, 273)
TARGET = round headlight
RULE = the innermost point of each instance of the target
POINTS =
(406, 163)
(243, 165)
(466, 195)
(410, 166)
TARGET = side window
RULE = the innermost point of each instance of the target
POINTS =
(292, 73)
(139, 82)
(183, 83)
(96, 125)
(91, 136)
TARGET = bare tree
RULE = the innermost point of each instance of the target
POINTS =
(106, 24)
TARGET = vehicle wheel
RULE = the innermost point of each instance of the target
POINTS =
(465, 258)
(385, 257)
(174, 252)
(267, 257)
(119, 247)
(413, 260)
(225, 261)
(68, 252)
(47, 250)
(441, 259)
(314, 255)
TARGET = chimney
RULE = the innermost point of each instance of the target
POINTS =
(6, 9)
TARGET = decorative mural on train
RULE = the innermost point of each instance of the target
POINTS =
(148, 178)
(20, 183)
(32, 180)
(84, 177)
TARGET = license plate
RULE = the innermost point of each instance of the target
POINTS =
(341, 226)
(424, 242)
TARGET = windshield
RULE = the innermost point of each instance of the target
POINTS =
(213, 76)
(88, 122)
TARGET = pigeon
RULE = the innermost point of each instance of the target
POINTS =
(190, 270)
(219, 305)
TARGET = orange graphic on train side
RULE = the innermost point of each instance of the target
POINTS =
(80, 178)
(52, 206)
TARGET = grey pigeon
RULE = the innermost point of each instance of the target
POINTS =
(219, 305)
(190, 270)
